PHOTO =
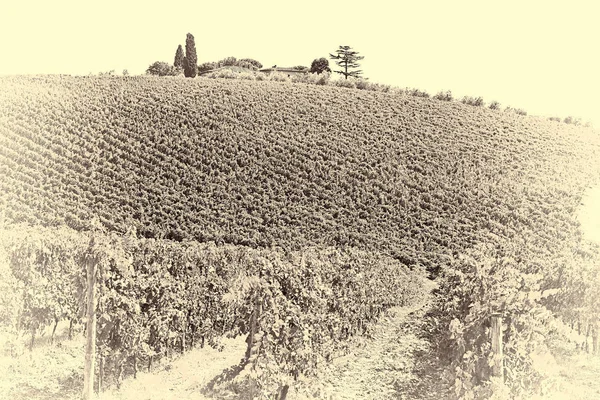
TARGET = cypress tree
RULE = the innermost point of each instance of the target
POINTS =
(190, 66)
(178, 63)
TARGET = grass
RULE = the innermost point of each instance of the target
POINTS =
(48, 372)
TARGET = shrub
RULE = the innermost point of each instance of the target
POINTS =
(278, 77)
(417, 93)
(518, 111)
(224, 73)
(252, 62)
(572, 120)
(261, 77)
(444, 96)
(557, 119)
(249, 76)
(380, 87)
(304, 78)
(361, 84)
(494, 105)
(207, 66)
(347, 83)
(161, 68)
(473, 101)
(323, 78)
(247, 65)
(228, 61)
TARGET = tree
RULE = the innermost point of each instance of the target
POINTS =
(190, 63)
(178, 63)
(252, 61)
(347, 58)
(162, 68)
(319, 65)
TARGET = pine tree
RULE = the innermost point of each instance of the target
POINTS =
(178, 63)
(347, 58)
(190, 65)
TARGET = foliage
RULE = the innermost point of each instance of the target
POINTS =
(190, 63)
(207, 66)
(494, 105)
(224, 73)
(249, 76)
(158, 297)
(417, 93)
(161, 68)
(311, 78)
(346, 83)
(228, 61)
(251, 61)
(319, 66)
(347, 58)
(572, 120)
(255, 164)
(178, 62)
(472, 287)
(473, 101)
(518, 111)
(246, 63)
(278, 77)
(444, 96)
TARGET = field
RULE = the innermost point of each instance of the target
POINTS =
(232, 207)
(264, 163)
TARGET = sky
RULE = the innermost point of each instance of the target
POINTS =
(541, 56)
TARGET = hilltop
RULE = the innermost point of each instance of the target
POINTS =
(266, 164)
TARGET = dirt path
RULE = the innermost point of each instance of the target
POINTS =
(382, 366)
(377, 368)
(184, 378)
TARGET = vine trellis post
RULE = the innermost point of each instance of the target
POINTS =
(497, 348)
(90, 346)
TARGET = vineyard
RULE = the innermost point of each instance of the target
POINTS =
(265, 208)
(156, 298)
(264, 163)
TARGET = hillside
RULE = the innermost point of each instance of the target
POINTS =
(278, 164)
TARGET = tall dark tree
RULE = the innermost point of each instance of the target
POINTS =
(319, 65)
(178, 63)
(347, 58)
(190, 64)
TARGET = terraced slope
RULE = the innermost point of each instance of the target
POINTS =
(268, 163)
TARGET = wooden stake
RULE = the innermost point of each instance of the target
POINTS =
(253, 328)
(101, 374)
(496, 328)
(90, 347)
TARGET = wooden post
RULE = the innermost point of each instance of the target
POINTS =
(253, 322)
(90, 347)
(496, 329)
(101, 374)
